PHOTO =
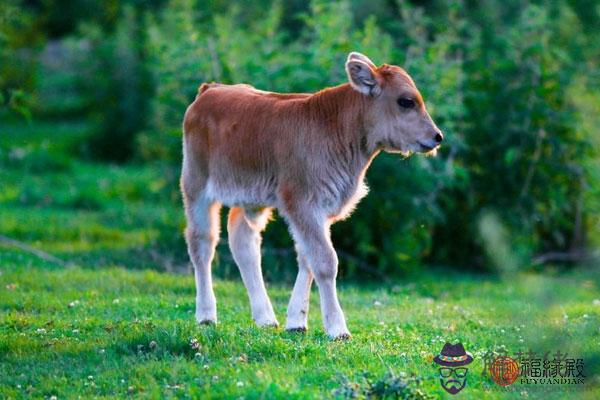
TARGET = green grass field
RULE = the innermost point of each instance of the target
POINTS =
(118, 323)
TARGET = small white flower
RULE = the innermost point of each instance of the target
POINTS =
(116, 301)
(596, 302)
(152, 344)
(41, 331)
(377, 303)
(240, 384)
(90, 377)
(53, 398)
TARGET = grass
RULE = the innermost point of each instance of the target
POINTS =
(120, 322)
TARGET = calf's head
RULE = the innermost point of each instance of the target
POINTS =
(395, 115)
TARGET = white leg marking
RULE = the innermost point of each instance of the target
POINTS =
(202, 234)
(244, 240)
(314, 243)
(297, 313)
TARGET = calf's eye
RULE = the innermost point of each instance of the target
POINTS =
(406, 102)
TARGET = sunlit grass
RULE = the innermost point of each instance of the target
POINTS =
(131, 332)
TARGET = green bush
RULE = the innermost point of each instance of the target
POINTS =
(112, 74)
(521, 154)
(18, 40)
(184, 54)
(513, 85)
(495, 83)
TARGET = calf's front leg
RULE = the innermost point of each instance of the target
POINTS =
(314, 245)
(297, 313)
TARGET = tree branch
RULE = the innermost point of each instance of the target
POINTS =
(38, 253)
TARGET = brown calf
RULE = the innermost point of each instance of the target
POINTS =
(304, 154)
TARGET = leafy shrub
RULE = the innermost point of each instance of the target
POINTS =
(520, 154)
(112, 74)
(183, 55)
(17, 58)
(513, 85)
(496, 89)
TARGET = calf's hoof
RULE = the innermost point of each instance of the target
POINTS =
(273, 325)
(338, 332)
(342, 337)
(300, 329)
(266, 323)
(206, 318)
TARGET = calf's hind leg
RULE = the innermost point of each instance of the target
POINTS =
(202, 235)
(244, 227)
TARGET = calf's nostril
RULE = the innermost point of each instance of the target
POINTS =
(439, 137)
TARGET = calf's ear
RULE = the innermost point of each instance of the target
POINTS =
(362, 75)
(355, 55)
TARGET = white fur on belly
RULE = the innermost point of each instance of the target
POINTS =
(231, 196)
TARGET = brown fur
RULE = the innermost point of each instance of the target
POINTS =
(304, 154)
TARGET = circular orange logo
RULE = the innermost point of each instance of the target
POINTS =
(504, 371)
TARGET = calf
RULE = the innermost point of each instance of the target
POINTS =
(304, 154)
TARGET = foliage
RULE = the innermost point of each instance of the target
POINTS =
(512, 84)
(525, 146)
(17, 60)
(112, 71)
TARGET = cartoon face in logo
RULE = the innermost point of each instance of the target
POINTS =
(453, 380)
(453, 373)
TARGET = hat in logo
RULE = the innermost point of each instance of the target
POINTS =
(453, 355)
